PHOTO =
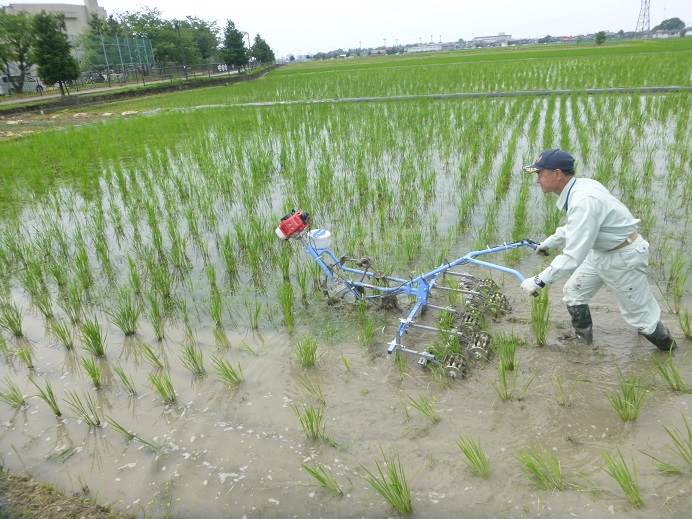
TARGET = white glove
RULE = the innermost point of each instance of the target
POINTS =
(542, 249)
(532, 285)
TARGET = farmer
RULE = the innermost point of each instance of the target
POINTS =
(600, 246)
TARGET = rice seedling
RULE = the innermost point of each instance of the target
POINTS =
(11, 318)
(156, 315)
(254, 314)
(324, 477)
(563, 393)
(161, 382)
(625, 476)
(93, 370)
(63, 333)
(126, 313)
(125, 380)
(670, 375)
(93, 339)
(215, 306)
(48, 397)
(4, 348)
(25, 354)
(150, 356)
(117, 427)
(286, 300)
(43, 303)
(627, 403)
(12, 395)
(230, 375)
(681, 447)
(192, 360)
(313, 389)
(476, 458)
(346, 363)
(505, 346)
(63, 455)
(390, 482)
(306, 351)
(685, 323)
(540, 317)
(311, 419)
(86, 410)
(543, 467)
(424, 405)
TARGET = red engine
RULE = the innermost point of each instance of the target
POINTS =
(292, 224)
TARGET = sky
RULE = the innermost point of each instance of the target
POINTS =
(309, 26)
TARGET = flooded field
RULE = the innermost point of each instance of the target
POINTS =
(142, 285)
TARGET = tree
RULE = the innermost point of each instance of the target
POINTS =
(16, 39)
(204, 35)
(233, 52)
(671, 24)
(261, 51)
(52, 50)
(600, 37)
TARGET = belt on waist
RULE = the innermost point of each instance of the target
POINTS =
(627, 241)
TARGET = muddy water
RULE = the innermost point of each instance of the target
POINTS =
(239, 453)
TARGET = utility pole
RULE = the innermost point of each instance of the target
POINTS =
(180, 48)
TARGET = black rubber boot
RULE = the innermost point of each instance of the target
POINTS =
(581, 321)
(661, 338)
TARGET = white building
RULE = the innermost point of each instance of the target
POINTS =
(76, 16)
(425, 47)
(501, 39)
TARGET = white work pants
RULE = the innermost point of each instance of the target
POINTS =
(625, 272)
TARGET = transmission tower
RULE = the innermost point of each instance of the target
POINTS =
(644, 22)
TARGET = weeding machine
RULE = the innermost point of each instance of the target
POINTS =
(360, 282)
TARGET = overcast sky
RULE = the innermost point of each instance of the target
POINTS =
(308, 26)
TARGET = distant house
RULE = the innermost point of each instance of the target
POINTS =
(688, 31)
(425, 47)
(499, 40)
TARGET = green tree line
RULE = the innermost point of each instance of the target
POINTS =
(27, 40)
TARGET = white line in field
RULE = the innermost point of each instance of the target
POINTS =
(454, 95)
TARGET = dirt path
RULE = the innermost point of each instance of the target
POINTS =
(23, 497)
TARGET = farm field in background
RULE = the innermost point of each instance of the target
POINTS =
(170, 337)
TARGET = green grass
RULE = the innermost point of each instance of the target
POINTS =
(324, 478)
(628, 401)
(193, 360)
(125, 380)
(286, 300)
(506, 346)
(625, 476)
(86, 410)
(63, 332)
(543, 467)
(389, 480)
(48, 397)
(161, 382)
(476, 458)
(681, 447)
(424, 405)
(231, 376)
(150, 356)
(306, 351)
(670, 375)
(12, 395)
(93, 338)
(126, 313)
(540, 317)
(311, 420)
(313, 389)
(11, 318)
(93, 370)
(25, 354)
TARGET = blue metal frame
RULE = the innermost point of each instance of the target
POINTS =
(419, 286)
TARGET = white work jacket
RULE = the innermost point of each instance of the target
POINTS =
(595, 220)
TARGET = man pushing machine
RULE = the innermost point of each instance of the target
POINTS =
(600, 246)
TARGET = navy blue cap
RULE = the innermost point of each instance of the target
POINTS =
(552, 159)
